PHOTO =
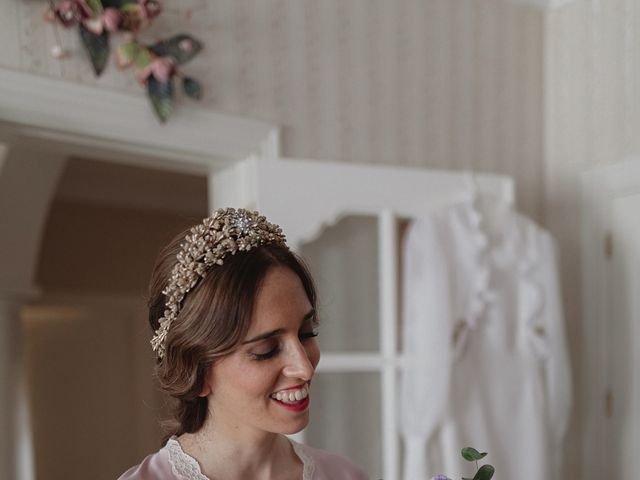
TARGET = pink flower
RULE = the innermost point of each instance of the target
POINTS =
(70, 12)
(109, 20)
(161, 68)
(149, 8)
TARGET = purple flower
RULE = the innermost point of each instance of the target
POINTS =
(440, 477)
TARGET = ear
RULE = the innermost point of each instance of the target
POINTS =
(206, 385)
(206, 390)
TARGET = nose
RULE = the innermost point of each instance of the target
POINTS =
(298, 364)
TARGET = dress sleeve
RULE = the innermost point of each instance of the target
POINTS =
(427, 330)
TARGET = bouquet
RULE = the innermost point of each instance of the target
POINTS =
(155, 64)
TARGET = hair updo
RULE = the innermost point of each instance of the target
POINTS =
(214, 318)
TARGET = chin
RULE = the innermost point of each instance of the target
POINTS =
(295, 427)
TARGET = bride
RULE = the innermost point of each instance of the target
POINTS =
(234, 317)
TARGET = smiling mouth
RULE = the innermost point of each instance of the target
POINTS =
(297, 406)
(296, 399)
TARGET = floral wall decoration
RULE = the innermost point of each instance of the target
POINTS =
(156, 65)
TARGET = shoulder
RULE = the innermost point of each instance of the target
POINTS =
(331, 466)
(155, 466)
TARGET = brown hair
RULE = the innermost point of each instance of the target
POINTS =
(215, 316)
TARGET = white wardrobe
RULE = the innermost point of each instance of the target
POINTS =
(348, 221)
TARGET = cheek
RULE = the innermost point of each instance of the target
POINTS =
(256, 380)
(241, 378)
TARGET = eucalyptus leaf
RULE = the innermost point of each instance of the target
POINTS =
(484, 473)
(192, 88)
(97, 46)
(181, 48)
(161, 96)
(472, 455)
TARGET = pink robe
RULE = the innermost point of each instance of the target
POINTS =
(172, 463)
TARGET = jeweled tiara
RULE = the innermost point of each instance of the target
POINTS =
(226, 231)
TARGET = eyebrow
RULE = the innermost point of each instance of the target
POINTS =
(310, 315)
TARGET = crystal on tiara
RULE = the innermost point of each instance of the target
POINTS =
(226, 231)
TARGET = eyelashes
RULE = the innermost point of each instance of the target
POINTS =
(266, 356)
(275, 350)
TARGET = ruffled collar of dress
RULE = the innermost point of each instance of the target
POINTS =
(515, 244)
(185, 467)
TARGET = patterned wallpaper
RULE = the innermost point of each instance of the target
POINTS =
(438, 83)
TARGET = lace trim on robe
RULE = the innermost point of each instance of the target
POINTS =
(308, 466)
(185, 467)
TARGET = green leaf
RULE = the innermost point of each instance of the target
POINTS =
(181, 47)
(97, 46)
(143, 58)
(471, 454)
(127, 53)
(95, 6)
(485, 473)
(192, 88)
(161, 96)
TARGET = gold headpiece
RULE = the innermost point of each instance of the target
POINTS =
(226, 231)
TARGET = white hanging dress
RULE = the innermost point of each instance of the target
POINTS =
(484, 338)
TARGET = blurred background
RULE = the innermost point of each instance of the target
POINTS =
(545, 92)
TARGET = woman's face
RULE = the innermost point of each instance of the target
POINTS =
(263, 385)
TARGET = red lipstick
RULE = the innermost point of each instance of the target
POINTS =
(296, 407)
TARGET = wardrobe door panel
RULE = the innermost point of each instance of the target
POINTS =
(344, 264)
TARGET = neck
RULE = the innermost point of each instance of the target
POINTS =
(229, 451)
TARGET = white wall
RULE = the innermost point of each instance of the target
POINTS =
(441, 83)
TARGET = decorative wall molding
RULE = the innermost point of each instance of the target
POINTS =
(51, 109)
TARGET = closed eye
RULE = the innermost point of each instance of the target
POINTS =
(267, 355)
(303, 336)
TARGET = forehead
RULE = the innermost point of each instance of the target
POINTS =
(281, 301)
